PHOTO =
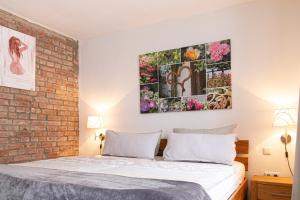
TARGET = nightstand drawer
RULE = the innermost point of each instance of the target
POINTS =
(273, 192)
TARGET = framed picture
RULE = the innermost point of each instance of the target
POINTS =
(17, 59)
(190, 78)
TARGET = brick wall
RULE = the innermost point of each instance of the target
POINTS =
(41, 124)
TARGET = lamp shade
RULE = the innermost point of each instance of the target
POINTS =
(94, 122)
(285, 117)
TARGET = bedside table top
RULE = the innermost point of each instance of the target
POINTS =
(273, 180)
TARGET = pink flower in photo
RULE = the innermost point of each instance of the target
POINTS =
(225, 49)
(189, 104)
(218, 50)
(145, 88)
(193, 104)
(152, 104)
(151, 69)
(153, 80)
(145, 74)
(144, 65)
(198, 105)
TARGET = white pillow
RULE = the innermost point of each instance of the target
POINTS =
(131, 144)
(220, 130)
(201, 147)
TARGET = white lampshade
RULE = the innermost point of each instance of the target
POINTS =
(285, 117)
(94, 122)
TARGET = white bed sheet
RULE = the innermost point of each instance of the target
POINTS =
(220, 181)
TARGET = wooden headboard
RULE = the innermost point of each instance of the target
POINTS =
(242, 150)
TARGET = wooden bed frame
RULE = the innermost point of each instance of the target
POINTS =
(242, 150)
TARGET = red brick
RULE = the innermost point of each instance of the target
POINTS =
(4, 140)
(49, 112)
(5, 121)
(38, 123)
(41, 117)
(23, 109)
(23, 116)
(4, 108)
(9, 128)
(22, 158)
(24, 127)
(19, 103)
(73, 138)
(15, 146)
(13, 152)
(34, 139)
(54, 118)
(54, 123)
(21, 97)
(40, 134)
(21, 122)
(38, 128)
(3, 114)
(4, 102)
(39, 156)
(11, 109)
(7, 133)
(43, 105)
(41, 99)
(4, 89)
(33, 116)
(25, 139)
(12, 115)
(23, 134)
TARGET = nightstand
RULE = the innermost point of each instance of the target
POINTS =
(271, 188)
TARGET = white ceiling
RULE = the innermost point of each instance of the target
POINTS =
(82, 19)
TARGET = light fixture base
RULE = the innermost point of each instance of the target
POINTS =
(285, 139)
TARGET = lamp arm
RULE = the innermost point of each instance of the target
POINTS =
(101, 136)
(286, 138)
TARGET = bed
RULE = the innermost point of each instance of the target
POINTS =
(219, 182)
(242, 150)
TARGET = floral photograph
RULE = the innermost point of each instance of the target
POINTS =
(219, 66)
(219, 79)
(148, 68)
(171, 105)
(175, 80)
(164, 89)
(219, 51)
(219, 75)
(193, 53)
(194, 103)
(198, 78)
(168, 57)
(149, 98)
(191, 78)
(219, 98)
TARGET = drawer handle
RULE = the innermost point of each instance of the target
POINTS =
(280, 195)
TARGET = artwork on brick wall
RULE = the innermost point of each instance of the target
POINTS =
(17, 63)
(190, 78)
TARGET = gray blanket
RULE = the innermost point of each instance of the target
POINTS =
(29, 183)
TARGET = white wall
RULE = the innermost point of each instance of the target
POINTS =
(265, 38)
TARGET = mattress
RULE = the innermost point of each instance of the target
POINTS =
(218, 180)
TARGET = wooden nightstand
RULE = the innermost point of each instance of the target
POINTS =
(271, 188)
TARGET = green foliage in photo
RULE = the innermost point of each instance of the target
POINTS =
(171, 56)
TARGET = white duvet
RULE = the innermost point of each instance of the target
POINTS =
(220, 181)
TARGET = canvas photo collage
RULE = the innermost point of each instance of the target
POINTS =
(186, 79)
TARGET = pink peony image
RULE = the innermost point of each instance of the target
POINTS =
(193, 104)
(218, 50)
